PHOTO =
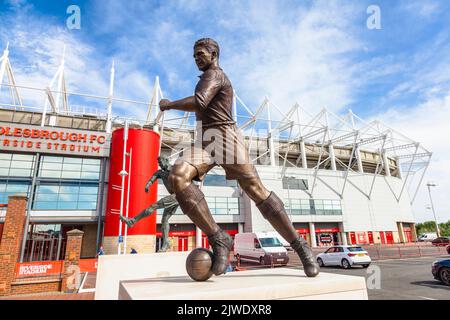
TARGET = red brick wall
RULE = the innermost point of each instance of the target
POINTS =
(72, 258)
(11, 241)
(35, 287)
(1, 231)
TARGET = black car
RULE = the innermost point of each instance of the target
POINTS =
(441, 241)
(441, 271)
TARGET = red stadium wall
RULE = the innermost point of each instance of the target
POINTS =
(143, 145)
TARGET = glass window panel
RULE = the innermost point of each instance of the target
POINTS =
(71, 167)
(88, 189)
(45, 205)
(19, 172)
(2, 187)
(48, 188)
(232, 183)
(221, 211)
(91, 168)
(5, 163)
(53, 159)
(47, 197)
(4, 171)
(67, 205)
(87, 197)
(90, 175)
(318, 204)
(327, 205)
(233, 205)
(69, 189)
(50, 174)
(73, 160)
(22, 157)
(87, 205)
(92, 161)
(22, 164)
(71, 174)
(5, 156)
(220, 199)
(17, 187)
(51, 166)
(221, 205)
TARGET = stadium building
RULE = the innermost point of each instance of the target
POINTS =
(343, 180)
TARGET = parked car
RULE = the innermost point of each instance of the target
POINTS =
(429, 236)
(262, 247)
(441, 271)
(345, 256)
(441, 241)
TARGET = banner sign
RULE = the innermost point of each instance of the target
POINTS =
(88, 265)
(38, 269)
(327, 229)
(28, 138)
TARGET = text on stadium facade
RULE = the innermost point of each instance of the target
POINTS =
(54, 140)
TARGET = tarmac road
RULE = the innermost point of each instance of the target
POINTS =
(402, 279)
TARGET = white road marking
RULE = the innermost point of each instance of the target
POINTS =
(427, 298)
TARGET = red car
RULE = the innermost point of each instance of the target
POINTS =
(441, 241)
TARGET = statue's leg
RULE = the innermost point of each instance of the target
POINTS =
(272, 209)
(165, 227)
(144, 213)
(193, 203)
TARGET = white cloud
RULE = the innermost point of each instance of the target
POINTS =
(428, 124)
(308, 60)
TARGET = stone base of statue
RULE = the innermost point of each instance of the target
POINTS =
(114, 268)
(262, 284)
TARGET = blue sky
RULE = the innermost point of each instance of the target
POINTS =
(317, 52)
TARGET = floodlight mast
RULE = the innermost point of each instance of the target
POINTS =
(429, 185)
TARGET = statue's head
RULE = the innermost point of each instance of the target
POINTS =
(206, 53)
(163, 163)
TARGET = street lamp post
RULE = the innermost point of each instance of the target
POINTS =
(429, 185)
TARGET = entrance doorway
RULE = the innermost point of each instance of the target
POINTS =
(182, 243)
(205, 242)
(352, 238)
(389, 237)
(382, 237)
(370, 235)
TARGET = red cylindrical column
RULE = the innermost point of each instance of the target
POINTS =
(140, 164)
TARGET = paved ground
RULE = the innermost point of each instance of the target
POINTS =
(402, 279)
(52, 296)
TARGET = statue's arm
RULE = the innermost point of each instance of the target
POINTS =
(186, 104)
(152, 180)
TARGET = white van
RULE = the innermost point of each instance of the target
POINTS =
(429, 236)
(262, 247)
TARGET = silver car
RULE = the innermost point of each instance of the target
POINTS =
(344, 256)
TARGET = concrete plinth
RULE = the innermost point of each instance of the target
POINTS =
(114, 268)
(264, 284)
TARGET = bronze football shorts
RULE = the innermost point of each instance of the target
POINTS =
(220, 146)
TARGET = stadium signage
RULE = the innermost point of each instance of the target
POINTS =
(38, 269)
(18, 137)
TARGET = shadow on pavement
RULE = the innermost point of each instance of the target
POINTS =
(431, 284)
